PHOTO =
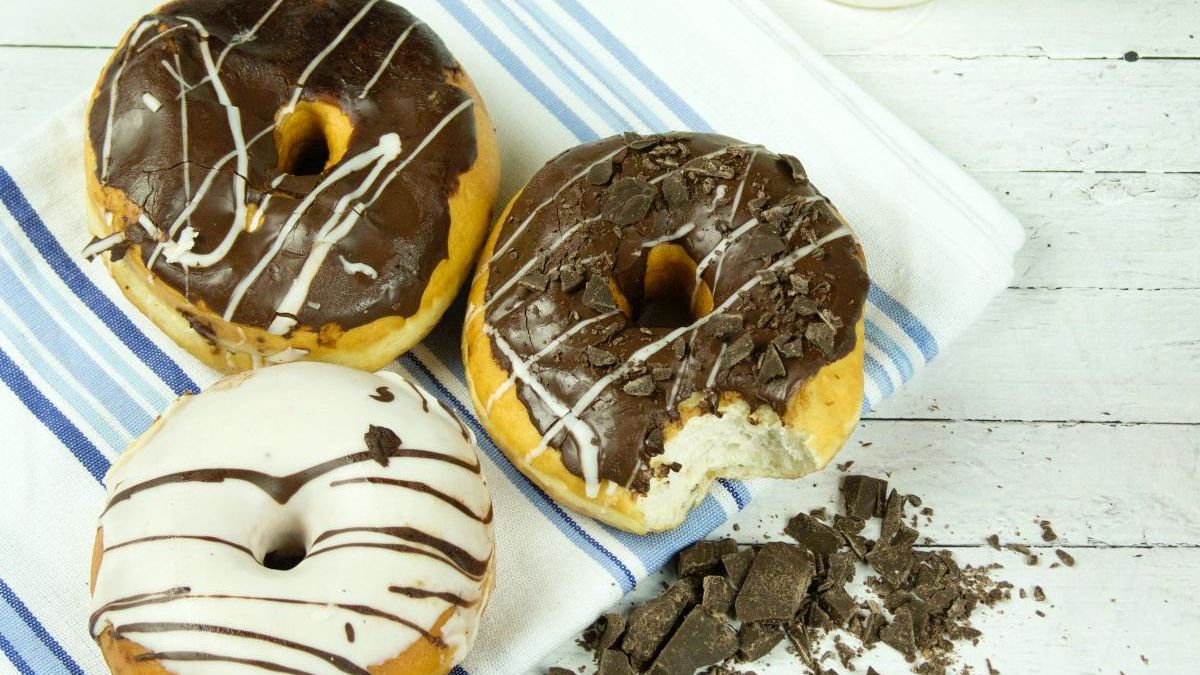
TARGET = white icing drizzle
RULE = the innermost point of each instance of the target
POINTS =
(670, 236)
(101, 245)
(312, 65)
(588, 454)
(239, 39)
(390, 548)
(712, 374)
(537, 356)
(157, 37)
(150, 102)
(388, 59)
(151, 229)
(357, 268)
(174, 250)
(718, 195)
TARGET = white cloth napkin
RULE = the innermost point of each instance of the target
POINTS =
(85, 373)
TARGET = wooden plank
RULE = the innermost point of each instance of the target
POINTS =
(1099, 484)
(1117, 610)
(1104, 230)
(999, 114)
(47, 80)
(1067, 355)
(970, 28)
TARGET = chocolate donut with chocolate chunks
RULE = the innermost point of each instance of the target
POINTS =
(654, 312)
(271, 181)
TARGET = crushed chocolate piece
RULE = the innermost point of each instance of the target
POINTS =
(598, 295)
(636, 142)
(766, 247)
(821, 335)
(737, 565)
(994, 541)
(863, 496)
(601, 172)
(771, 366)
(1065, 557)
(812, 535)
(821, 513)
(639, 386)
(1048, 534)
(628, 201)
(840, 568)
(614, 627)
(613, 662)
(381, 442)
(709, 166)
(756, 640)
(650, 623)
(661, 372)
(558, 670)
(600, 358)
(899, 633)
(571, 277)
(798, 173)
(724, 325)
(792, 349)
(1039, 594)
(717, 595)
(775, 586)
(534, 281)
(738, 351)
(838, 604)
(675, 190)
(701, 640)
(893, 563)
(704, 557)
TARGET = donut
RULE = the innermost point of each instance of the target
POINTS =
(653, 312)
(302, 518)
(274, 181)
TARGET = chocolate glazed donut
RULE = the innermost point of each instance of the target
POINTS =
(653, 312)
(272, 181)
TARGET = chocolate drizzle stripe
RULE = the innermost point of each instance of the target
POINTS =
(166, 537)
(399, 548)
(462, 428)
(419, 487)
(419, 593)
(459, 556)
(419, 395)
(279, 488)
(184, 593)
(340, 662)
(384, 395)
(208, 656)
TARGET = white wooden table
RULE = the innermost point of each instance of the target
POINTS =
(1077, 396)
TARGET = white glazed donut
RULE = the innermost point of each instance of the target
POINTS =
(301, 518)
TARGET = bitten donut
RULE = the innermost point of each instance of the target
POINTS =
(304, 518)
(272, 181)
(653, 312)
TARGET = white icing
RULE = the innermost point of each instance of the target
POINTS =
(312, 65)
(279, 421)
(387, 59)
(670, 236)
(150, 102)
(176, 249)
(718, 195)
(101, 245)
(356, 268)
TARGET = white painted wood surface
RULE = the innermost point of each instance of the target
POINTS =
(1076, 397)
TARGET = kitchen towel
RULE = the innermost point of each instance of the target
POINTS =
(84, 372)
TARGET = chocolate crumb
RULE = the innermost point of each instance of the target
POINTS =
(628, 200)
(724, 325)
(601, 172)
(994, 541)
(675, 191)
(1066, 558)
(600, 358)
(598, 295)
(383, 395)
(1048, 533)
(640, 386)
(381, 443)
(1039, 594)
(821, 335)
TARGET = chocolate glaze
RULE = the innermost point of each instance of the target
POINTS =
(735, 209)
(401, 236)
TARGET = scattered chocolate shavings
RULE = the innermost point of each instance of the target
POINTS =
(628, 201)
(899, 633)
(864, 497)
(675, 190)
(994, 541)
(821, 513)
(717, 595)
(558, 670)
(601, 172)
(637, 142)
(600, 358)
(738, 351)
(798, 173)
(775, 586)
(812, 535)
(771, 366)
(756, 640)
(613, 662)
(598, 295)
(708, 166)
(844, 466)
(1048, 534)
(821, 335)
(614, 627)
(571, 277)
(1039, 594)
(793, 348)
(724, 325)
(737, 565)
(639, 386)
(1065, 557)
(1019, 548)
(381, 442)
(661, 372)
(650, 623)
(704, 557)
(701, 640)
(764, 247)
(534, 281)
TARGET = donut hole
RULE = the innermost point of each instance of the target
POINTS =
(286, 552)
(312, 138)
(671, 297)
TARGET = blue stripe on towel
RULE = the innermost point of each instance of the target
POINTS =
(66, 268)
(896, 311)
(894, 352)
(11, 652)
(877, 373)
(17, 607)
(551, 510)
(41, 407)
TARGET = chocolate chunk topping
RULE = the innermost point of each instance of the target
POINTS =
(771, 367)
(628, 201)
(649, 624)
(797, 170)
(601, 172)
(864, 497)
(724, 325)
(737, 352)
(717, 594)
(534, 281)
(708, 166)
(636, 142)
(201, 328)
(600, 358)
(764, 247)
(704, 556)
(775, 586)
(381, 443)
(598, 295)
(821, 336)
(675, 190)
(571, 277)
(640, 386)
(701, 640)
(812, 535)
